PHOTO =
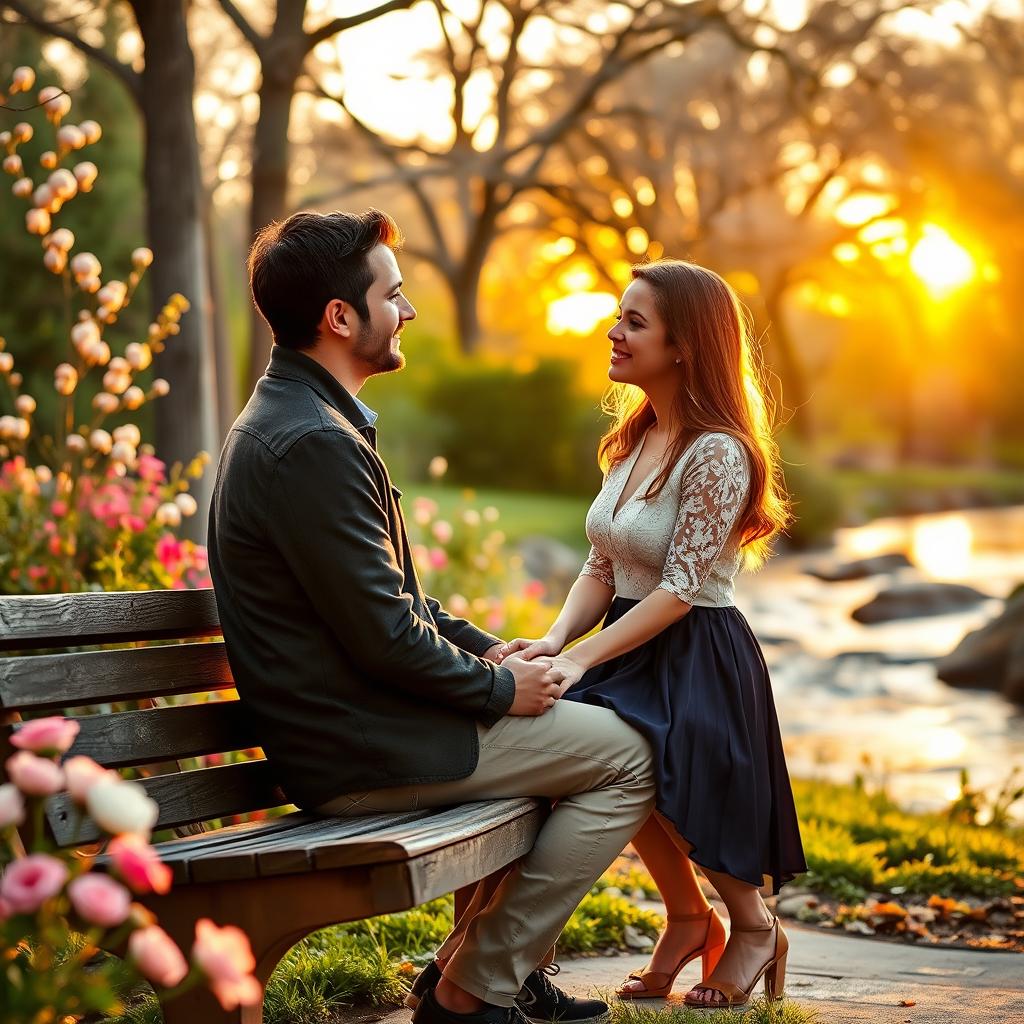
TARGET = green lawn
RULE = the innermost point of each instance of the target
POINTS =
(522, 513)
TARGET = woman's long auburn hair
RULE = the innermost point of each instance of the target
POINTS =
(722, 391)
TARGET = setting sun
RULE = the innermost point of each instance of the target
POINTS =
(941, 262)
(581, 313)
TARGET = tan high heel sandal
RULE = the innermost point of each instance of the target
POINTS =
(774, 973)
(657, 984)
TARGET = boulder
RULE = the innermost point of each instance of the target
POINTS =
(992, 657)
(915, 600)
(861, 568)
(549, 560)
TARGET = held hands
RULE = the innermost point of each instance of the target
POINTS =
(571, 671)
(546, 646)
(538, 686)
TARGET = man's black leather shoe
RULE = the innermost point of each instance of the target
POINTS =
(430, 1011)
(544, 1003)
(425, 982)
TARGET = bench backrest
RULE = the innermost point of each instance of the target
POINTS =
(146, 734)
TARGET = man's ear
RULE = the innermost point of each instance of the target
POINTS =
(339, 318)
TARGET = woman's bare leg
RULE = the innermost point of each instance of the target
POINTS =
(672, 870)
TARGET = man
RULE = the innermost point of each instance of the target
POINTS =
(369, 696)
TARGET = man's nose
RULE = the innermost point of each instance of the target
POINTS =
(409, 312)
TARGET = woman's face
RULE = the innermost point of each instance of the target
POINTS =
(640, 350)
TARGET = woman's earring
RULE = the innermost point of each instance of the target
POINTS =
(678, 361)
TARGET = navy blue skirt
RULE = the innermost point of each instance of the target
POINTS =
(700, 692)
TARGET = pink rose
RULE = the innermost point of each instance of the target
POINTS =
(150, 468)
(138, 864)
(100, 900)
(34, 775)
(49, 736)
(81, 774)
(59, 509)
(157, 956)
(32, 880)
(12, 806)
(225, 957)
(438, 558)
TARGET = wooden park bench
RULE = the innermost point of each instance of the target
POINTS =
(277, 879)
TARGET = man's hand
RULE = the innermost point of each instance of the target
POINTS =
(547, 646)
(537, 686)
(494, 653)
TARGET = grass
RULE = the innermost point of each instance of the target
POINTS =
(760, 1011)
(858, 842)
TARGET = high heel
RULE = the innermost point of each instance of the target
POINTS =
(773, 972)
(658, 984)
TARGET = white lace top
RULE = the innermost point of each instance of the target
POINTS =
(683, 541)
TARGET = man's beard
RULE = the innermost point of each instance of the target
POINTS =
(374, 349)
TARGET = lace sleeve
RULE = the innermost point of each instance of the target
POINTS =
(714, 492)
(599, 566)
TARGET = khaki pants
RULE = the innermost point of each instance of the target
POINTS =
(598, 769)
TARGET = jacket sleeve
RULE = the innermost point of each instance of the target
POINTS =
(329, 521)
(461, 632)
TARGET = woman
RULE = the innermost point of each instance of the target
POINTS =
(692, 488)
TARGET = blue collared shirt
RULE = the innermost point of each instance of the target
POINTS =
(371, 416)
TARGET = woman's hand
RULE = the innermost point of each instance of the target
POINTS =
(546, 646)
(563, 664)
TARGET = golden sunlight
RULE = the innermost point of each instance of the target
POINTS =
(580, 313)
(942, 263)
(942, 547)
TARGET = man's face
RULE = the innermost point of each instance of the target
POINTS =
(376, 343)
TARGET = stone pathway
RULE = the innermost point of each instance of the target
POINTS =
(849, 980)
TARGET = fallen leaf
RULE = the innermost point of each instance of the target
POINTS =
(908, 1002)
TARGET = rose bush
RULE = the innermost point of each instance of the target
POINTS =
(86, 505)
(57, 913)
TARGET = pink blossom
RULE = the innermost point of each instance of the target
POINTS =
(81, 774)
(30, 881)
(495, 620)
(54, 545)
(438, 558)
(169, 551)
(59, 508)
(138, 864)
(151, 468)
(34, 775)
(52, 735)
(442, 531)
(100, 900)
(200, 558)
(37, 572)
(134, 523)
(225, 957)
(534, 590)
(157, 956)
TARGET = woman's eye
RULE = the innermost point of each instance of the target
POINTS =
(635, 325)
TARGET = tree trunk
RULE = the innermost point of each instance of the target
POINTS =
(281, 62)
(467, 317)
(224, 357)
(185, 422)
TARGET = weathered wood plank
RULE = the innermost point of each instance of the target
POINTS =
(437, 832)
(242, 859)
(163, 734)
(51, 681)
(63, 620)
(183, 797)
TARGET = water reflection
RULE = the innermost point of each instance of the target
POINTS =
(847, 692)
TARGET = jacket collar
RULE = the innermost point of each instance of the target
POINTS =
(291, 364)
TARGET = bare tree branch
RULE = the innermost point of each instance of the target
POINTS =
(242, 23)
(129, 78)
(336, 25)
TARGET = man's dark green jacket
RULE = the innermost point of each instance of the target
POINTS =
(354, 677)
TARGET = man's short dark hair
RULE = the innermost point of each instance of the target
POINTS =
(298, 265)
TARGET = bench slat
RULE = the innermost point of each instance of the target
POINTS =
(184, 798)
(51, 681)
(64, 620)
(243, 858)
(164, 734)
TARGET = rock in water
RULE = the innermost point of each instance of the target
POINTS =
(914, 600)
(861, 568)
(992, 657)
